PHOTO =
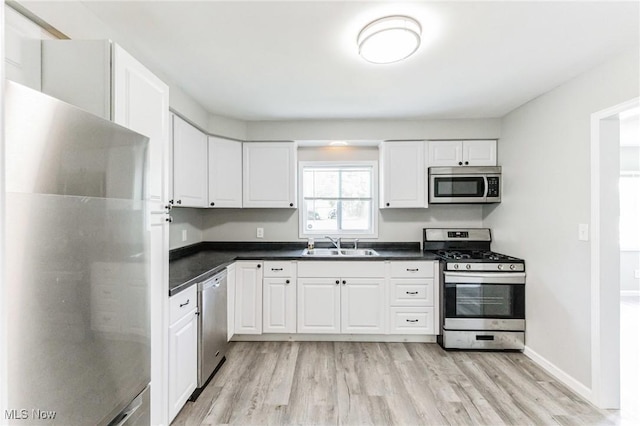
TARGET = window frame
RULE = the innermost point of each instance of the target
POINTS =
(370, 233)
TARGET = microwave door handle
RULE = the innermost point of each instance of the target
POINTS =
(486, 187)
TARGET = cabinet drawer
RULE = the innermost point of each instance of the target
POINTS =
(411, 292)
(183, 303)
(412, 269)
(412, 321)
(278, 269)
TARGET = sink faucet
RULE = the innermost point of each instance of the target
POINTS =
(336, 241)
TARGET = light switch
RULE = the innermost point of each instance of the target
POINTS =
(259, 232)
(583, 232)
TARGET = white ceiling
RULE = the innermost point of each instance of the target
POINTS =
(298, 59)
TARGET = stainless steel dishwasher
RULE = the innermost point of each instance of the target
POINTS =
(212, 327)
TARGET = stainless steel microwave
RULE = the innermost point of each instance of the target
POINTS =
(465, 185)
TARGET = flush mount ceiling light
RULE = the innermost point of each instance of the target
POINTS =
(390, 39)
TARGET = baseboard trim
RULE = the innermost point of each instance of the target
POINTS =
(630, 293)
(559, 374)
(399, 338)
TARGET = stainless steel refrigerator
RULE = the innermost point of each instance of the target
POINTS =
(76, 261)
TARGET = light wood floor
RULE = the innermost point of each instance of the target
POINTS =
(383, 383)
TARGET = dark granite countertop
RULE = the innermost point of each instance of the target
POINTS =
(193, 264)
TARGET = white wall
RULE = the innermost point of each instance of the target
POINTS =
(403, 225)
(373, 129)
(185, 219)
(545, 155)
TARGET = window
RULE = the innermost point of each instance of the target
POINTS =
(338, 199)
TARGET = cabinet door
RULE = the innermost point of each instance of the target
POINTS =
(189, 165)
(269, 174)
(225, 172)
(248, 298)
(318, 305)
(279, 305)
(480, 153)
(403, 174)
(22, 49)
(141, 103)
(445, 153)
(363, 306)
(183, 362)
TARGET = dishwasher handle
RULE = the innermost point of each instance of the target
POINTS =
(213, 282)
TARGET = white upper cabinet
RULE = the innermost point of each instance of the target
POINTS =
(102, 78)
(189, 165)
(225, 172)
(463, 153)
(403, 174)
(269, 174)
(480, 153)
(22, 49)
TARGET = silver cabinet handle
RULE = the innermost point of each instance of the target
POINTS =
(412, 292)
(413, 269)
(409, 320)
(185, 303)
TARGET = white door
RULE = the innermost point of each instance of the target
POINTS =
(318, 305)
(225, 172)
(364, 306)
(183, 362)
(189, 165)
(248, 307)
(445, 153)
(279, 305)
(141, 103)
(269, 174)
(480, 153)
(403, 174)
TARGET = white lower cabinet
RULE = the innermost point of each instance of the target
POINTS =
(279, 297)
(183, 349)
(248, 300)
(319, 305)
(354, 301)
(363, 305)
(231, 300)
(413, 290)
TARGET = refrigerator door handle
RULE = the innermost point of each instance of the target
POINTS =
(130, 410)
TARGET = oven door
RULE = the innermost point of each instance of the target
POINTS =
(484, 301)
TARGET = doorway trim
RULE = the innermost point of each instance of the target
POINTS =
(603, 321)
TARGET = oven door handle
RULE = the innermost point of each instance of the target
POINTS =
(484, 277)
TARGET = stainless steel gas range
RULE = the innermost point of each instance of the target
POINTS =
(482, 292)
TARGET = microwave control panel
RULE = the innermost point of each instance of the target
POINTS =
(494, 186)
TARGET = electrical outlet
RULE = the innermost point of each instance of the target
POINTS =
(583, 232)
(184, 235)
(259, 232)
(636, 273)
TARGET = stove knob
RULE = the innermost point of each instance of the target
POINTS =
(500, 267)
(468, 266)
(455, 266)
(512, 266)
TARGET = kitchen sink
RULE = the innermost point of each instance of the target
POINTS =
(331, 252)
